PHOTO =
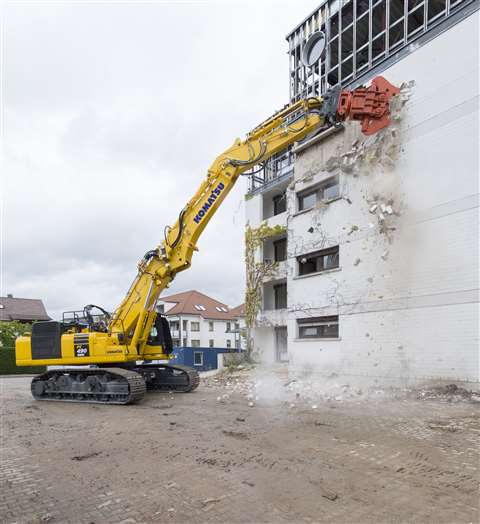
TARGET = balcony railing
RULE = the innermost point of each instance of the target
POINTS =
(272, 317)
(274, 170)
(279, 273)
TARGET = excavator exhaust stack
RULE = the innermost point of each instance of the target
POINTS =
(369, 105)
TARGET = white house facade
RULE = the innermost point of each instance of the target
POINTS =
(197, 320)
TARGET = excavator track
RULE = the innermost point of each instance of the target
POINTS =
(89, 385)
(168, 377)
(112, 385)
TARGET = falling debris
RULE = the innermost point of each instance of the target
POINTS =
(385, 213)
(208, 501)
(79, 458)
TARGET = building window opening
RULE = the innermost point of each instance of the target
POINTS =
(362, 7)
(436, 8)
(307, 200)
(195, 326)
(279, 204)
(319, 261)
(228, 327)
(211, 326)
(229, 343)
(197, 358)
(195, 343)
(280, 250)
(174, 325)
(415, 21)
(280, 294)
(211, 343)
(318, 327)
(325, 192)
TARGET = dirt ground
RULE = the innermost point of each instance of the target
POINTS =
(209, 456)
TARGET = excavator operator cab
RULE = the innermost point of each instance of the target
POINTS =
(79, 320)
(160, 334)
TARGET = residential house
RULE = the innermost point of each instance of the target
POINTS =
(197, 320)
(22, 309)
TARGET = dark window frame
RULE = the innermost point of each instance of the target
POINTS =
(326, 327)
(279, 204)
(315, 263)
(319, 191)
(277, 302)
(174, 325)
(277, 245)
(195, 355)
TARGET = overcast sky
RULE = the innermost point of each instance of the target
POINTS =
(113, 113)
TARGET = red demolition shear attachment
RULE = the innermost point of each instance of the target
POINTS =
(369, 105)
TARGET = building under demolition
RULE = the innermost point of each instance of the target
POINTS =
(377, 270)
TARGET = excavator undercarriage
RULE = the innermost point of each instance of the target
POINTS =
(112, 385)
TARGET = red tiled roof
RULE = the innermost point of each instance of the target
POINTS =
(12, 308)
(185, 303)
(238, 311)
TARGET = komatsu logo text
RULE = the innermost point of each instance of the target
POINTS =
(211, 199)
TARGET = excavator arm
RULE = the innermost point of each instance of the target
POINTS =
(133, 319)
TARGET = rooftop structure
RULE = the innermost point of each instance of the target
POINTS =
(22, 309)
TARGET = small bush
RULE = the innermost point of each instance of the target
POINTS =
(9, 331)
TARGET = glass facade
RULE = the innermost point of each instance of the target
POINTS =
(359, 35)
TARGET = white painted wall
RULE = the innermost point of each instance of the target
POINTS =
(414, 315)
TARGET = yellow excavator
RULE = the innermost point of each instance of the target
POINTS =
(109, 356)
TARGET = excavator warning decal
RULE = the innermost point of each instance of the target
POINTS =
(81, 345)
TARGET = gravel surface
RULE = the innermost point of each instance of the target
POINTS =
(244, 447)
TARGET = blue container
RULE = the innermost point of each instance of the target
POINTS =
(201, 359)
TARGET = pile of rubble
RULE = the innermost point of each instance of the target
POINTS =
(268, 387)
(448, 393)
(263, 387)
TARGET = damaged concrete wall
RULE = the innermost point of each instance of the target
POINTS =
(406, 291)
